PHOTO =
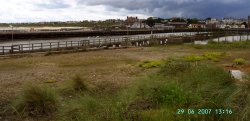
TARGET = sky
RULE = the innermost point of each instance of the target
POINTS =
(15, 11)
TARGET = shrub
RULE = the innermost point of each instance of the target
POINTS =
(239, 61)
(36, 101)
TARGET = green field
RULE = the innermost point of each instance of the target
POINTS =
(134, 84)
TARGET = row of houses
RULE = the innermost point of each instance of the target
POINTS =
(136, 23)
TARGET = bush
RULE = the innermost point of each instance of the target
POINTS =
(239, 61)
(36, 101)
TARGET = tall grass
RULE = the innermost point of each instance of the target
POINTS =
(36, 101)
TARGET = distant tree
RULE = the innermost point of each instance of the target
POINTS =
(193, 21)
(178, 20)
(245, 23)
(209, 18)
(150, 22)
(159, 20)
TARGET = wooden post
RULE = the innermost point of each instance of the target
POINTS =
(3, 50)
(32, 47)
(41, 45)
(22, 48)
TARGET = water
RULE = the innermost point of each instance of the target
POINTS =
(225, 39)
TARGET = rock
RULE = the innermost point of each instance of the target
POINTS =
(237, 74)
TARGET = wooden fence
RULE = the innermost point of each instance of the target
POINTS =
(109, 42)
(63, 45)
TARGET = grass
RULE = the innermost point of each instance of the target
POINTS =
(150, 64)
(79, 84)
(36, 101)
(123, 91)
(158, 96)
(214, 56)
(224, 45)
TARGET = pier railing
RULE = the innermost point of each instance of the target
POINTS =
(64, 45)
(143, 40)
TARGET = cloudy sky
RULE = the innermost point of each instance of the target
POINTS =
(72, 10)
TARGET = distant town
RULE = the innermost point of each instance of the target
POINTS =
(131, 23)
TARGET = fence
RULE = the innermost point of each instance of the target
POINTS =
(60, 45)
(100, 42)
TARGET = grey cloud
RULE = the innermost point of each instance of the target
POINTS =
(53, 4)
(185, 8)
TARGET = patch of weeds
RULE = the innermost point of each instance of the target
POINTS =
(175, 66)
(36, 101)
(239, 61)
(214, 55)
(193, 58)
(150, 64)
